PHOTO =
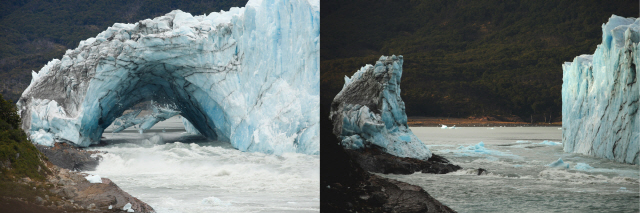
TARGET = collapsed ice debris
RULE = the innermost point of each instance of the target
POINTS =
(249, 76)
(600, 96)
(158, 113)
(369, 111)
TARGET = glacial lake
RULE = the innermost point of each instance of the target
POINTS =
(519, 178)
(174, 171)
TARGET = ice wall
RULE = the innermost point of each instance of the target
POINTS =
(249, 76)
(600, 96)
(369, 111)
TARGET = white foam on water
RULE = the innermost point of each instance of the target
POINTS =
(208, 176)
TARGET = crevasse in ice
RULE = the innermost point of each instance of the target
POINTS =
(369, 111)
(249, 76)
(600, 96)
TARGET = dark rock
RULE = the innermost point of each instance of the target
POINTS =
(482, 171)
(39, 200)
(344, 184)
(69, 157)
(374, 160)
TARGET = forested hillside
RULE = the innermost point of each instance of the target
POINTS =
(33, 32)
(465, 58)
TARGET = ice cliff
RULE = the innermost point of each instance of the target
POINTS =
(369, 111)
(600, 96)
(249, 76)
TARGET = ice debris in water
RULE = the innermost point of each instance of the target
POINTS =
(623, 189)
(110, 206)
(214, 201)
(583, 166)
(449, 127)
(559, 164)
(550, 143)
(249, 76)
(369, 111)
(93, 178)
(601, 93)
(523, 141)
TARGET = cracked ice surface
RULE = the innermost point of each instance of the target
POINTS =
(249, 76)
(369, 111)
(600, 96)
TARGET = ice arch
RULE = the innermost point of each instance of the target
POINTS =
(249, 76)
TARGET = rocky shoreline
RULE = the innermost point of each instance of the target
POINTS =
(70, 189)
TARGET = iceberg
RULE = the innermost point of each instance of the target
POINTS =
(559, 164)
(368, 111)
(249, 76)
(600, 96)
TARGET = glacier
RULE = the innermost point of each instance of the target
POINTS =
(249, 76)
(600, 96)
(369, 111)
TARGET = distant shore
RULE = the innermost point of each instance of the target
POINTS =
(466, 122)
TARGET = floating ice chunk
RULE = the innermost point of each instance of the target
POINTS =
(110, 206)
(623, 189)
(479, 150)
(93, 178)
(448, 127)
(214, 201)
(523, 141)
(550, 143)
(583, 166)
(559, 164)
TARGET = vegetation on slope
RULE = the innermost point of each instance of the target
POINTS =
(33, 32)
(464, 58)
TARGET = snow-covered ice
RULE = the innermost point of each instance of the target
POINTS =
(369, 111)
(249, 76)
(600, 94)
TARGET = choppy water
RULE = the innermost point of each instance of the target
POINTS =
(519, 180)
(177, 172)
